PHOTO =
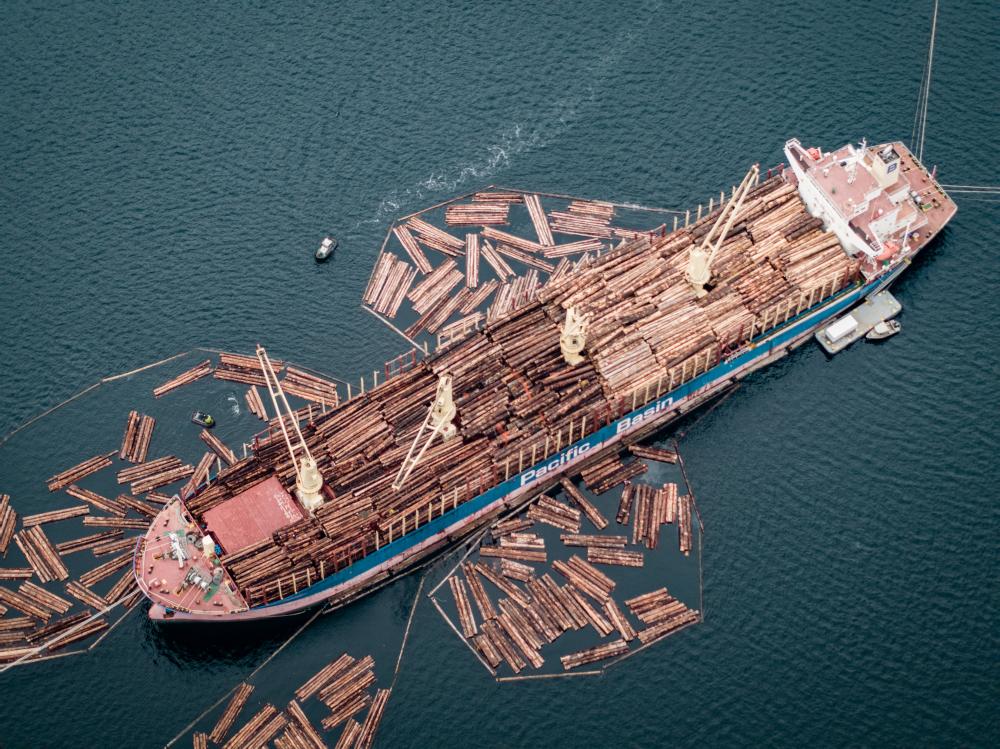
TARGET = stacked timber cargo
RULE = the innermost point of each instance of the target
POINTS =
(517, 399)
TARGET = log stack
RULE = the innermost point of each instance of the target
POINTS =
(138, 433)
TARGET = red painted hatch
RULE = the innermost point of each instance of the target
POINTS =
(252, 515)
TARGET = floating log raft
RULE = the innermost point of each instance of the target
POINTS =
(16, 573)
(8, 519)
(349, 735)
(301, 732)
(465, 617)
(54, 515)
(534, 206)
(106, 570)
(185, 378)
(479, 595)
(102, 503)
(593, 514)
(654, 453)
(596, 555)
(254, 403)
(619, 620)
(79, 471)
(516, 571)
(44, 598)
(96, 521)
(243, 369)
(225, 722)
(154, 474)
(608, 542)
(412, 249)
(684, 524)
(597, 653)
(24, 605)
(139, 506)
(85, 595)
(87, 542)
(138, 433)
(551, 512)
(478, 213)
(372, 720)
(252, 734)
(41, 555)
(324, 676)
(585, 577)
(437, 239)
(217, 446)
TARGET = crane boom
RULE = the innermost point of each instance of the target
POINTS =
(699, 270)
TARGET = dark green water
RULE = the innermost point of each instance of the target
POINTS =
(168, 169)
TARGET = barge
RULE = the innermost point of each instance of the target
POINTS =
(328, 510)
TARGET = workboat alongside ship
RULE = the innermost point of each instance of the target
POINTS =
(329, 510)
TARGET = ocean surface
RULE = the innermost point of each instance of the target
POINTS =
(167, 169)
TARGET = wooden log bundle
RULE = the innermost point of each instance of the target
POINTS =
(585, 577)
(367, 734)
(99, 501)
(534, 205)
(79, 471)
(217, 446)
(254, 403)
(465, 617)
(16, 573)
(202, 369)
(228, 717)
(41, 555)
(44, 598)
(87, 542)
(200, 474)
(54, 515)
(346, 694)
(8, 520)
(551, 512)
(477, 213)
(96, 521)
(105, 570)
(684, 524)
(599, 555)
(24, 605)
(596, 653)
(243, 369)
(85, 595)
(257, 731)
(479, 595)
(437, 239)
(138, 433)
(654, 453)
(154, 474)
(593, 514)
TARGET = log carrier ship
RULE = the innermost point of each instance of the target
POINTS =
(332, 509)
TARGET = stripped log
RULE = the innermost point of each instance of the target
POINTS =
(534, 206)
(503, 552)
(79, 471)
(477, 214)
(85, 595)
(617, 617)
(203, 369)
(516, 571)
(471, 260)
(412, 249)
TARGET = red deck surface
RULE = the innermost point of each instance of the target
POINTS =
(252, 515)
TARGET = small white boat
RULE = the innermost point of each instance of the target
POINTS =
(326, 248)
(884, 329)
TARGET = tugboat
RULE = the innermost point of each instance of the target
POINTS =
(203, 419)
(326, 248)
(883, 330)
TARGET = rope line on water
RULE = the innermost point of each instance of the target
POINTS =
(925, 90)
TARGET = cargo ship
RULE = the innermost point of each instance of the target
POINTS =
(328, 509)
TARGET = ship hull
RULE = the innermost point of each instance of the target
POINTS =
(406, 553)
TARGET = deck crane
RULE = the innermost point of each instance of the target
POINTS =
(699, 270)
(308, 479)
(438, 421)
